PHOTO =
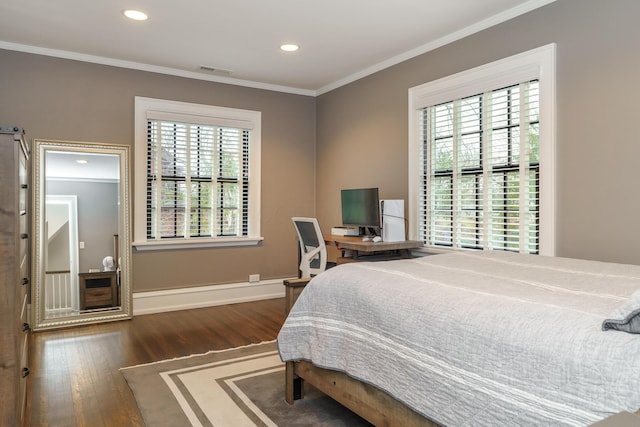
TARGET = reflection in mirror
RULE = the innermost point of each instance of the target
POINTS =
(81, 225)
(60, 256)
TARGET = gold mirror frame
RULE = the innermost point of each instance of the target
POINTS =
(125, 310)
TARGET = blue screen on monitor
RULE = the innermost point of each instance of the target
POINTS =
(360, 206)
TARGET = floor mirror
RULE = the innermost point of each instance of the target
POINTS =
(81, 251)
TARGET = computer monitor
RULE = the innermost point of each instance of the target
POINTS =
(361, 208)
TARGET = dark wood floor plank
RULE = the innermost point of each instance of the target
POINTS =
(75, 378)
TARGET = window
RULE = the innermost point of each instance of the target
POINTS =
(481, 164)
(483, 144)
(197, 175)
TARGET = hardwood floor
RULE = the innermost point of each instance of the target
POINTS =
(74, 377)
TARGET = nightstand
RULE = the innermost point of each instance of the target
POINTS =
(293, 289)
(98, 290)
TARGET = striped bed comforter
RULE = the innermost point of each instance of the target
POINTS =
(477, 338)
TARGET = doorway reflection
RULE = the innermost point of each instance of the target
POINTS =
(61, 256)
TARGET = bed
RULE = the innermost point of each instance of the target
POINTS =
(471, 338)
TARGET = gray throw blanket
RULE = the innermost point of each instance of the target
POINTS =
(625, 318)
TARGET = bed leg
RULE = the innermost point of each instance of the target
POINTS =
(294, 386)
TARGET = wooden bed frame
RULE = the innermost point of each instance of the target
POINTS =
(369, 402)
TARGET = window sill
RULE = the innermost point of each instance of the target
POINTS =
(173, 244)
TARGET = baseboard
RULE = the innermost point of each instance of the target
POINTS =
(205, 296)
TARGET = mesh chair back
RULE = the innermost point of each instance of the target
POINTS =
(313, 252)
(308, 234)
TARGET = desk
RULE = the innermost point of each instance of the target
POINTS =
(371, 251)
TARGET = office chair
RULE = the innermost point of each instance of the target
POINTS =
(313, 252)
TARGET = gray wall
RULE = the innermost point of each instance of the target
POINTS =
(61, 99)
(97, 218)
(363, 127)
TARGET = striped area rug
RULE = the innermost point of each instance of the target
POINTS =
(241, 387)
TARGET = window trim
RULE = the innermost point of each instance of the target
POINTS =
(534, 64)
(208, 114)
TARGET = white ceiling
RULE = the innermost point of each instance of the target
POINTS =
(64, 165)
(340, 40)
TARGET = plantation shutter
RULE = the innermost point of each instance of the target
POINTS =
(480, 163)
(197, 178)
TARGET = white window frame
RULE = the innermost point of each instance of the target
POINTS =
(194, 113)
(534, 64)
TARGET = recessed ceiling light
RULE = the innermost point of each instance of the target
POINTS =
(289, 47)
(82, 161)
(135, 15)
